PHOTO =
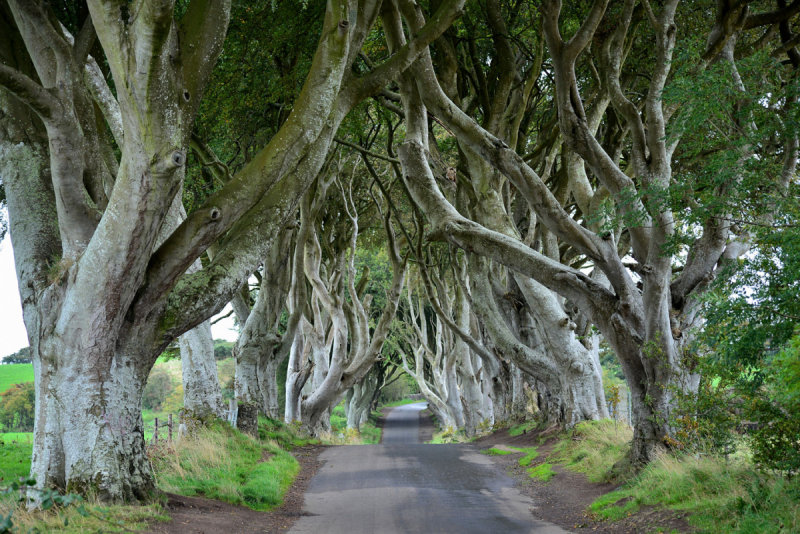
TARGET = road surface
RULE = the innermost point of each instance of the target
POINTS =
(403, 486)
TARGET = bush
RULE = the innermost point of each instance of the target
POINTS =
(17, 407)
(158, 389)
(222, 349)
(776, 442)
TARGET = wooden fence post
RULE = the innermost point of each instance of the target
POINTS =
(155, 433)
(169, 426)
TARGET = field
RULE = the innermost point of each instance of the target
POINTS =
(15, 373)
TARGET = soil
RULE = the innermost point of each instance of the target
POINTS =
(565, 498)
(195, 515)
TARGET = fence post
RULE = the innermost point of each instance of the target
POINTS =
(155, 433)
(630, 415)
(169, 426)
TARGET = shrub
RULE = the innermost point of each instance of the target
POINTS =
(776, 442)
(17, 406)
(158, 388)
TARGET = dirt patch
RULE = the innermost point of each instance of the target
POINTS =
(565, 498)
(265, 456)
(194, 515)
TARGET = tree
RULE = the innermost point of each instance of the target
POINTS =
(17, 407)
(644, 311)
(21, 356)
(101, 297)
(159, 387)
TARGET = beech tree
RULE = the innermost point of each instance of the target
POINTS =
(644, 311)
(91, 218)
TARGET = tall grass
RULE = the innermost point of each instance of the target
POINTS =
(594, 448)
(104, 519)
(223, 464)
(718, 494)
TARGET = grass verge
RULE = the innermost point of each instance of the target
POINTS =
(496, 452)
(527, 426)
(69, 521)
(217, 462)
(718, 495)
(224, 464)
(543, 472)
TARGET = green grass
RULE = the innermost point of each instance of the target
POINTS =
(224, 464)
(15, 373)
(15, 461)
(132, 518)
(496, 452)
(368, 434)
(543, 472)
(594, 448)
(719, 495)
(19, 437)
(531, 453)
(716, 494)
(518, 430)
(284, 435)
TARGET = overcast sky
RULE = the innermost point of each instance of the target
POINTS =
(12, 330)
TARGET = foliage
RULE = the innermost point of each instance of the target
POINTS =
(23, 355)
(224, 464)
(17, 407)
(158, 388)
(174, 402)
(395, 393)
(776, 441)
(223, 349)
(706, 420)
(226, 374)
(368, 434)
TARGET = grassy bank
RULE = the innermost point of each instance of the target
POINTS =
(224, 464)
(217, 462)
(718, 494)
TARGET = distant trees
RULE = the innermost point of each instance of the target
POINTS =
(17, 407)
(21, 356)
(159, 387)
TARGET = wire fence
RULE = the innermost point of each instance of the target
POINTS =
(164, 429)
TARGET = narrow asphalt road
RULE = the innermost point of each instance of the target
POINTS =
(402, 486)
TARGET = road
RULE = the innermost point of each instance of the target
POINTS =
(403, 486)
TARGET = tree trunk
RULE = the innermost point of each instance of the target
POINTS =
(202, 396)
(97, 446)
(296, 376)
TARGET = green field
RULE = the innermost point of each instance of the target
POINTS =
(21, 437)
(15, 373)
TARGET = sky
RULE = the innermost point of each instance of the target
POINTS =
(12, 330)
